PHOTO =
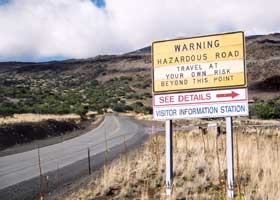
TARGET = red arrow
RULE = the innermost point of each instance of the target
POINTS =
(232, 95)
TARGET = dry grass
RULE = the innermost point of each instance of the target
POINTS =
(18, 118)
(199, 169)
(139, 116)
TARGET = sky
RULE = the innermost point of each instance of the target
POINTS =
(42, 30)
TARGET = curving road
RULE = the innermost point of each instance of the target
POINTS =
(24, 166)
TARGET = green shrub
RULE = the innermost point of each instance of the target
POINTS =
(122, 78)
(81, 110)
(138, 107)
(119, 108)
(128, 108)
(266, 110)
(148, 110)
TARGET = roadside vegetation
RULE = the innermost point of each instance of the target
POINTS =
(269, 109)
(44, 93)
(199, 168)
(78, 93)
(66, 94)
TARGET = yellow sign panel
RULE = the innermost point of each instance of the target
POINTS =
(216, 61)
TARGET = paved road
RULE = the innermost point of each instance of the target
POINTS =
(24, 166)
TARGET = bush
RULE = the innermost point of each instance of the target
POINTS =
(122, 78)
(138, 107)
(119, 108)
(128, 108)
(7, 109)
(139, 103)
(148, 110)
(81, 110)
(266, 110)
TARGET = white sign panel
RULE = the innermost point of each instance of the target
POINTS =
(203, 110)
(230, 95)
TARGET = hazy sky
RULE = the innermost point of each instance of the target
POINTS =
(56, 29)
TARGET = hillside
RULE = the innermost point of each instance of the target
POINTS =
(120, 82)
(263, 62)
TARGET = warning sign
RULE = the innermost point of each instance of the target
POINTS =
(207, 62)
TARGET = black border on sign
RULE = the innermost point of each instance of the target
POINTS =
(205, 88)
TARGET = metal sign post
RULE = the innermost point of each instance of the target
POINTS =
(169, 157)
(230, 164)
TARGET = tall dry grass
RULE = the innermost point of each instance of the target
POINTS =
(199, 169)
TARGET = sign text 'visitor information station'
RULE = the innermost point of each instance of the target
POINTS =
(200, 77)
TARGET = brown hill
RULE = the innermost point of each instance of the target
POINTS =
(58, 81)
(263, 64)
